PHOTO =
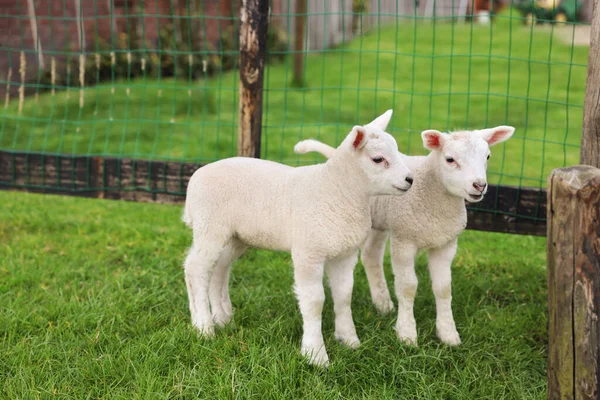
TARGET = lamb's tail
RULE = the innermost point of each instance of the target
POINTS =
(186, 217)
(307, 146)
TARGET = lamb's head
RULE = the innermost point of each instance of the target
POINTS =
(376, 152)
(462, 158)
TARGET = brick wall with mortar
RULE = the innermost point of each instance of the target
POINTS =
(57, 28)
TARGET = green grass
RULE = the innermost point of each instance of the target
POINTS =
(442, 76)
(93, 305)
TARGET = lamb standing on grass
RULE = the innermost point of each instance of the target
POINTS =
(319, 213)
(431, 216)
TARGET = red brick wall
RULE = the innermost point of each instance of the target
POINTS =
(58, 31)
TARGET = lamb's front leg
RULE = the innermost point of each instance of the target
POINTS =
(340, 273)
(308, 276)
(405, 283)
(440, 262)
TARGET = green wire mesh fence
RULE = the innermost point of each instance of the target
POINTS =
(125, 98)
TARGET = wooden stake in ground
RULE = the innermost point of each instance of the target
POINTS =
(37, 44)
(574, 283)
(299, 39)
(253, 48)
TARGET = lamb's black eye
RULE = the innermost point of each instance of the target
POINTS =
(449, 160)
(378, 160)
(488, 157)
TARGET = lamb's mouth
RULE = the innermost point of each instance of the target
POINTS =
(399, 188)
(476, 196)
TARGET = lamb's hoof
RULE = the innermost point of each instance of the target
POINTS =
(351, 341)
(448, 335)
(384, 306)
(227, 307)
(407, 336)
(409, 341)
(222, 319)
(316, 356)
(207, 331)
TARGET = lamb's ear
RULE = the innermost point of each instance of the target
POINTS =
(383, 120)
(497, 134)
(433, 140)
(359, 137)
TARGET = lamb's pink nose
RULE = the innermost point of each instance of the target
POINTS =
(480, 187)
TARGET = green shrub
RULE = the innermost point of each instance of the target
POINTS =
(179, 56)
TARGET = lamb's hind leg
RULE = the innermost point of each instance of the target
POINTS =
(405, 283)
(220, 302)
(340, 273)
(308, 277)
(372, 259)
(199, 265)
(440, 262)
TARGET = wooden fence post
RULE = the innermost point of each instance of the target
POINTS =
(574, 283)
(590, 138)
(299, 38)
(254, 21)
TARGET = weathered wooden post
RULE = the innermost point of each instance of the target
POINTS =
(253, 47)
(574, 283)
(299, 38)
(573, 245)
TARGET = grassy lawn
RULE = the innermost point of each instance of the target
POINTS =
(92, 295)
(443, 76)
(93, 304)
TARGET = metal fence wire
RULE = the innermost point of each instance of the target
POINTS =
(125, 98)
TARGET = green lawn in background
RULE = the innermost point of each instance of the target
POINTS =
(93, 305)
(433, 75)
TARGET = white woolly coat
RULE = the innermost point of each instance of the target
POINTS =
(427, 216)
(320, 209)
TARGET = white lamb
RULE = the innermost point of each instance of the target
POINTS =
(431, 216)
(319, 213)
